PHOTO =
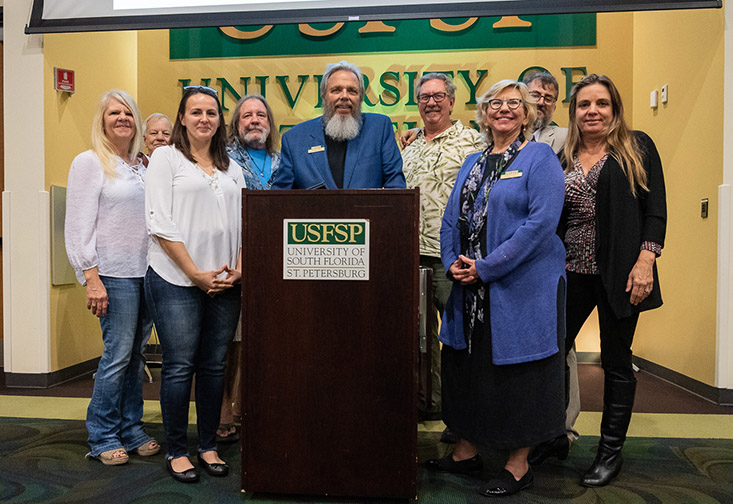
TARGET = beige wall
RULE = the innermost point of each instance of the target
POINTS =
(639, 51)
(684, 49)
(102, 61)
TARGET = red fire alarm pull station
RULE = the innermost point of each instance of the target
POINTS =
(63, 80)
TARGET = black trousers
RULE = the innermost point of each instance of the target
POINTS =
(586, 292)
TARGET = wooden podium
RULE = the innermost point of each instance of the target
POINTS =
(328, 363)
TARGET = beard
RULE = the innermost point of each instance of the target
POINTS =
(340, 127)
(541, 122)
(256, 141)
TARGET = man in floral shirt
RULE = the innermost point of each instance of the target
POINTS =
(431, 162)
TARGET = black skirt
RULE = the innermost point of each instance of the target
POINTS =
(509, 406)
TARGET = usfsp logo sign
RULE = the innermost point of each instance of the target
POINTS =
(318, 249)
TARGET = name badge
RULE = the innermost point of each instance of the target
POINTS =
(316, 148)
(511, 174)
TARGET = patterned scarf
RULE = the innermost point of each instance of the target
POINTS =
(474, 209)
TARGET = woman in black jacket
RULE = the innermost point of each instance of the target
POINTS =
(613, 226)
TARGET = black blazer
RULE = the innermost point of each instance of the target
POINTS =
(624, 222)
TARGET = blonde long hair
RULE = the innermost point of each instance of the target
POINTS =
(622, 144)
(101, 145)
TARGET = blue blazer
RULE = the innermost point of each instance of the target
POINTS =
(372, 158)
(525, 258)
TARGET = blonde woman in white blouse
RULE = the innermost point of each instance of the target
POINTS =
(193, 210)
(106, 242)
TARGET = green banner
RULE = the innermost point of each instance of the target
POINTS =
(568, 30)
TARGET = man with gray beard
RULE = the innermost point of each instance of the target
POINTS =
(252, 141)
(544, 90)
(344, 148)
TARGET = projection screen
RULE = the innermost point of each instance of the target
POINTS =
(53, 16)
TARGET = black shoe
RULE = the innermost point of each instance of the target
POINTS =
(447, 464)
(214, 469)
(504, 484)
(602, 471)
(557, 447)
(618, 401)
(448, 437)
(187, 476)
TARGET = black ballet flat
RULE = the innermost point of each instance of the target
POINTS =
(448, 465)
(504, 484)
(187, 476)
(216, 469)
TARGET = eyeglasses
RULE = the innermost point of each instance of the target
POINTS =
(438, 97)
(512, 103)
(536, 96)
(203, 89)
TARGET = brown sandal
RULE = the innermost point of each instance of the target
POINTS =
(231, 434)
(147, 449)
(118, 456)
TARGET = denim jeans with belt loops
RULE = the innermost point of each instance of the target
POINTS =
(114, 416)
(195, 330)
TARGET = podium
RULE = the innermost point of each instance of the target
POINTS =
(329, 334)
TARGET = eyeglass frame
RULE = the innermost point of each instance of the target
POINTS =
(488, 104)
(202, 88)
(433, 96)
(544, 97)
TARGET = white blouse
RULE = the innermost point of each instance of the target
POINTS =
(183, 204)
(105, 218)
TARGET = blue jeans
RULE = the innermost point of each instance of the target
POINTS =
(114, 416)
(195, 331)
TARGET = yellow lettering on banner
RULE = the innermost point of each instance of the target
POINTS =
(307, 29)
(236, 33)
(376, 27)
(441, 25)
(294, 228)
(342, 233)
(511, 22)
(314, 234)
(356, 229)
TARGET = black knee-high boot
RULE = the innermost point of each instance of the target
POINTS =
(618, 400)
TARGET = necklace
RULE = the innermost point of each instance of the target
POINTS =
(261, 171)
(212, 180)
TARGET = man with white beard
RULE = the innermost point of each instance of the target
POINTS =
(253, 141)
(344, 148)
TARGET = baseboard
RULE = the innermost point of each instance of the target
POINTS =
(589, 357)
(47, 380)
(720, 396)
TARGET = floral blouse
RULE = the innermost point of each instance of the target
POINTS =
(580, 203)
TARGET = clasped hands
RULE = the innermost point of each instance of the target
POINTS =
(463, 270)
(209, 281)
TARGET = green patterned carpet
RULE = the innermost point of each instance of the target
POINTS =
(42, 461)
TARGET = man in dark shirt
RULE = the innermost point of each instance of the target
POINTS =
(344, 148)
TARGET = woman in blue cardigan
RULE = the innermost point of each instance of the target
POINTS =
(503, 328)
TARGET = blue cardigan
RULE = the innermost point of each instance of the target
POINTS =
(525, 258)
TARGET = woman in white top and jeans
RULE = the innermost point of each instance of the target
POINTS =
(193, 212)
(106, 242)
